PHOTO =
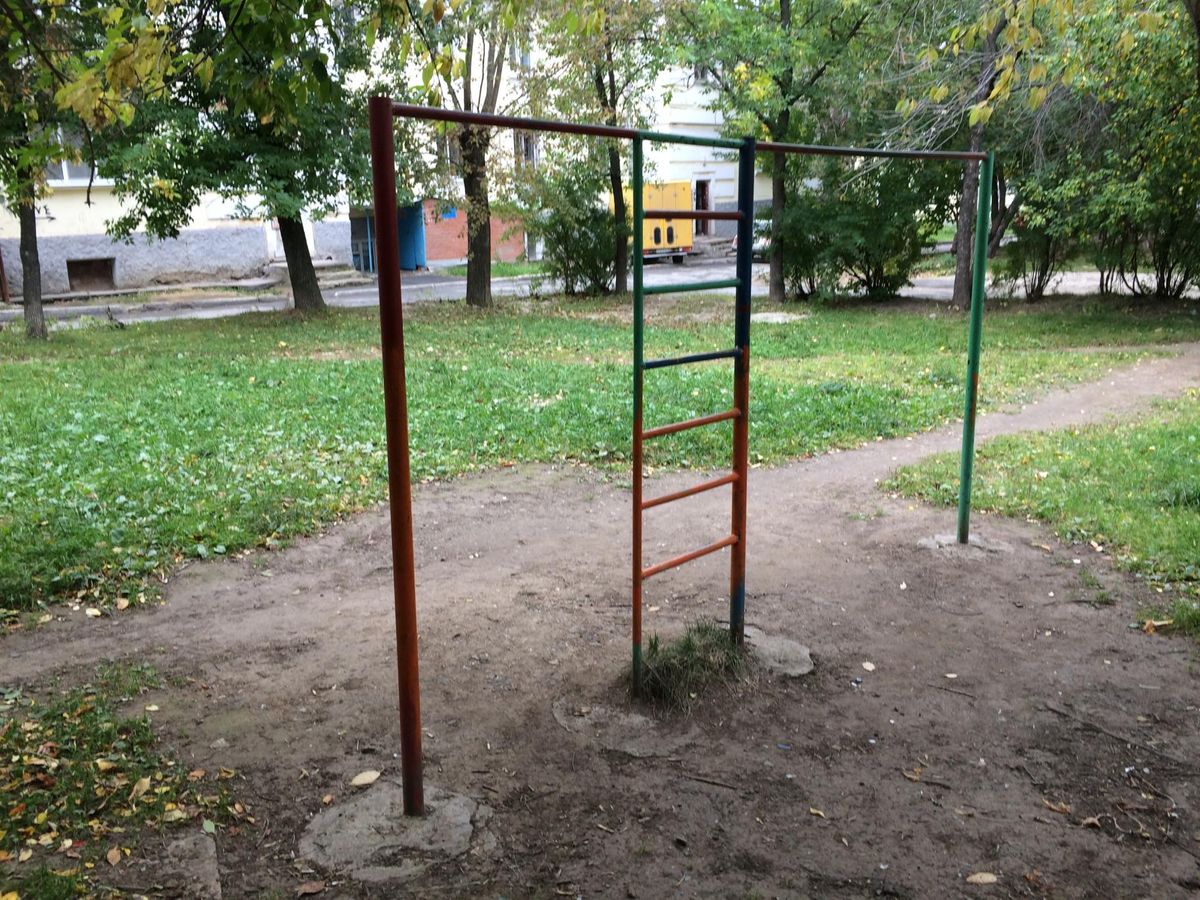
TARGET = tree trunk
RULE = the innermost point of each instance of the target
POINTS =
(778, 197)
(306, 293)
(621, 268)
(31, 272)
(474, 143)
(964, 245)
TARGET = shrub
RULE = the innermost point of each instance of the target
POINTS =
(579, 235)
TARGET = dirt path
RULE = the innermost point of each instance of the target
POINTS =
(286, 661)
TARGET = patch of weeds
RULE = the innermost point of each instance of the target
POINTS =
(1185, 616)
(1100, 595)
(79, 780)
(675, 673)
(876, 513)
(45, 884)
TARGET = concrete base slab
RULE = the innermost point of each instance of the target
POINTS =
(780, 655)
(776, 318)
(371, 839)
(194, 860)
(615, 729)
(974, 542)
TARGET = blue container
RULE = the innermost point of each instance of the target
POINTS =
(411, 226)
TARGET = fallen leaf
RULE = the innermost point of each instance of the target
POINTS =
(151, 707)
(10, 895)
(1061, 807)
(869, 666)
(208, 827)
(1090, 822)
(982, 878)
(327, 799)
(813, 811)
(122, 603)
(310, 887)
(363, 779)
(913, 774)
(140, 787)
(105, 765)
(25, 855)
(196, 774)
(113, 856)
(92, 613)
(951, 675)
(174, 815)
(1152, 625)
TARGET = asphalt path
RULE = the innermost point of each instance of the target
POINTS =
(434, 287)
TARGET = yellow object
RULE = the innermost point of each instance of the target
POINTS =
(665, 237)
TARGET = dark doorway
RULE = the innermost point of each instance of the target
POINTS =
(702, 203)
(91, 274)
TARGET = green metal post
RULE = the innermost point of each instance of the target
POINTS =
(974, 342)
(638, 373)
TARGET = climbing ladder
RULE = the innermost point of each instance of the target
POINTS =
(739, 354)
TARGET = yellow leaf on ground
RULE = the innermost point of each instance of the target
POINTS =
(982, 878)
(105, 765)
(363, 779)
(813, 811)
(140, 787)
(113, 856)
(1061, 807)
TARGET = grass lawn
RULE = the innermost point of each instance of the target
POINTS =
(125, 451)
(1133, 488)
(502, 269)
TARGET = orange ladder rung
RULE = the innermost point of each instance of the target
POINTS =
(728, 541)
(688, 492)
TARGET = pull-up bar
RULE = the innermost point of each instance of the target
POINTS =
(383, 171)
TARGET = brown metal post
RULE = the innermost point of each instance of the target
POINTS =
(391, 328)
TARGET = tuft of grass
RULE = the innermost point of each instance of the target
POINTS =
(502, 269)
(79, 776)
(1127, 488)
(675, 673)
(45, 884)
(125, 451)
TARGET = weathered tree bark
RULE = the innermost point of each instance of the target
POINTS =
(306, 292)
(1193, 11)
(474, 143)
(963, 236)
(31, 271)
(608, 102)
(778, 199)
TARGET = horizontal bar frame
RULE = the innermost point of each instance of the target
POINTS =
(711, 484)
(689, 287)
(727, 541)
(876, 152)
(709, 215)
(690, 358)
(676, 427)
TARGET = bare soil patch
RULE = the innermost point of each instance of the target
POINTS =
(1060, 756)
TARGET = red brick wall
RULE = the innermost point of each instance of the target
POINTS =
(447, 238)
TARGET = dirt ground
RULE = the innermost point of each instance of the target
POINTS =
(1061, 758)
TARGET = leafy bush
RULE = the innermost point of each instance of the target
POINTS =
(579, 235)
(860, 227)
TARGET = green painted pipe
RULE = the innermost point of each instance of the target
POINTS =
(974, 345)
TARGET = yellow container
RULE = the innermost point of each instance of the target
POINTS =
(665, 237)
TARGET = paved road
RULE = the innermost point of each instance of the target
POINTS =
(432, 287)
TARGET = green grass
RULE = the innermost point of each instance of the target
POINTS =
(1133, 488)
(502, 269)
(79, 779)
(675, 673)
(125, 451)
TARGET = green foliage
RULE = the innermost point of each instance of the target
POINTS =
(861, 228)
(579, 235)
(123, 452)
(1132, 488)
(675, 673)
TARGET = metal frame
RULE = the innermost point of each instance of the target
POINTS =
(391, 322)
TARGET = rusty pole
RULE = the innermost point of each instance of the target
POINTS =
(391, 328)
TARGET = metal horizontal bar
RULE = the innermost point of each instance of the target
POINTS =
(691, 286)
(820, 150)
(728, 541)
(660, 137)
(520, 123)
(700, 488)
(690, 423)
(691, 358)
(712, 215)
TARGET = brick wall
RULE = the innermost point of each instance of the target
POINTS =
(446, 236)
